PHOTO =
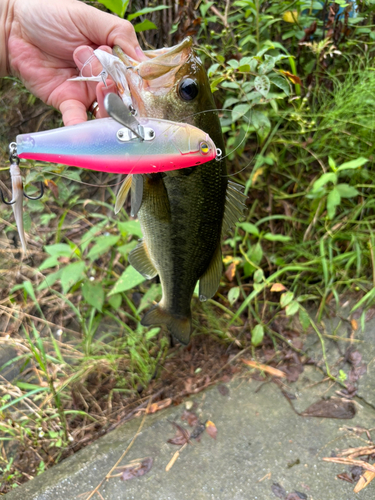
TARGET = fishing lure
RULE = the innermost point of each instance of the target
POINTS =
(121, 144)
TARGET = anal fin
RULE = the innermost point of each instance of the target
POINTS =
(139, 258)
(123, 193)
(209, 282)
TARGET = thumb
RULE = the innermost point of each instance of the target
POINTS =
(102, 28)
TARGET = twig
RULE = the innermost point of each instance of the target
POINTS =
(174, 458)
(122, 456)
(220, 15)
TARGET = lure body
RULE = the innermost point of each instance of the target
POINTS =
(106, 145)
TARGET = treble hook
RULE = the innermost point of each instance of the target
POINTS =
(30, 197)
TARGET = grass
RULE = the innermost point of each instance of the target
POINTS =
(79, 361)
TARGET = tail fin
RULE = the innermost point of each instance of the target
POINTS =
(179, 326)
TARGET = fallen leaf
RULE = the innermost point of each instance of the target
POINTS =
(211, 429)
(278, 490)
(364, 481)
(293, 78)
(296, 495)
(345, 477)
(278, 287)
(264, 368)
(137, 469)
(223, 389)
(330, 408)
(354, 324)
(190, 417)
(50, 184)
(159, 405)
(182, 435)
(231, 271)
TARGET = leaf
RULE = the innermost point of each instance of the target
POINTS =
(323, 180)
(136, 469)
(59, 250)
(277, 287)
(347, 191)
(159, 405)
(261, 123)
(292, 308)
(281, 83)
(152, 295)
(267, 65)
(293, 78)
(129, 279)
(146, 10)
(50, 279)
(93, 293)
(257, 334)
(333, 200)
(49, 262)
(290, 16)
(286, 298)
(276, 237)
(117, 6)
(331, 408)
(258, 276)
(211, 429)
(115, 301)
(231, 271)
(349, 165)
(262, 84)
(103, 243)
(249, 228)
(255, 253)
(304, 319)
(71, 274)
(264, 368)
(189, 417)
(130, 227)
(145, 25)
(215, 83)
(182, 435)
(233, 294)
(278, 490)
(239, 111)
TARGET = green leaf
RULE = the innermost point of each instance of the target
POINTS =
(255, 253)
(117, 6)
(333, 200)
(261, 123)
(347, 191)
(152, 333)
(286, 298)
(50, 279)
(233, 63)
(257, 335)
(145, 25)
(59, 250)
(332, 164)
(93, 294)
(249, 228)
(262, 84)
(292, 308)
(353, 164)
(215, 83)
(115, 301)
(258, 276)
(126, 249)
(130, 227)
(49, 262)
(281, 82)
(212, 69)
(323, 180)
(152, 295)
(233, 295)
(129, 279)
(71, 274)
(267, 65)
(146, 10)
(239, 111)
(103, 243)
(304, 318)
(229, 102)
(276, 237)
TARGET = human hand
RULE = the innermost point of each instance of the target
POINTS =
(41, 37)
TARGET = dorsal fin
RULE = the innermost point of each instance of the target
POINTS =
(234, 206)
(123, 193)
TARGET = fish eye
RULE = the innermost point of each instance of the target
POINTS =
(188, 89)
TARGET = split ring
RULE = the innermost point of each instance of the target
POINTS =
(94, 108)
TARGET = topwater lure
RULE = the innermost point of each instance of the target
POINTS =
(121, 144)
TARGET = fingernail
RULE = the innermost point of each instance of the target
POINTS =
(141, 56)
(83, 53)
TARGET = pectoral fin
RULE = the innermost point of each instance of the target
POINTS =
(123, 193)
(234, 206)
(139, 258)
(209, 282)
(137, 194)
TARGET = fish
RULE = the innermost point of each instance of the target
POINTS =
(183, 213)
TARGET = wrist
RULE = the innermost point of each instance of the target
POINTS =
(6, 17)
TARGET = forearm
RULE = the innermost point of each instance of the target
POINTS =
(6, 16)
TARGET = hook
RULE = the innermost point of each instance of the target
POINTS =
(37, 197)
(6, 202)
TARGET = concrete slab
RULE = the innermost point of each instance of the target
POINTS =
(260, 441)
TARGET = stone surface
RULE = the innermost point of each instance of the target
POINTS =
(260, 441)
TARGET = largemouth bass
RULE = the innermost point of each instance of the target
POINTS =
(182, 213)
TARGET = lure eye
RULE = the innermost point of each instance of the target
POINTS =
(204, 148)
(188, 89)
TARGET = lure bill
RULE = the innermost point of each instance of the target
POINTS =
(108, 146)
